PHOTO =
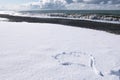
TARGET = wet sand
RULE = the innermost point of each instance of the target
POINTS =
(109, 27)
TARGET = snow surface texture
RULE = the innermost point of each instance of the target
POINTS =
(56, 52)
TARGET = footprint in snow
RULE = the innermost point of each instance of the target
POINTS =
(73, 58)
(78, 58)
(92, 65)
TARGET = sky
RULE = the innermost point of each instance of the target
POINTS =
(60, 4)
(3, 2)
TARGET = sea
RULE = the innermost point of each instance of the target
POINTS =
(100, 15)
(96, 15)
(100, 12)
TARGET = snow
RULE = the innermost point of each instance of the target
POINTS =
(114, 22)
(3, 19)
(35, 51)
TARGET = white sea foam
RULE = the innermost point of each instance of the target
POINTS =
(64, 16)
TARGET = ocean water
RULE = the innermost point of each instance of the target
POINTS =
(100, 12)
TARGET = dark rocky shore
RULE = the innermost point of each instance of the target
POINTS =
(109, 27)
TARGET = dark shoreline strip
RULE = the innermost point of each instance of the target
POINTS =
(109, 27)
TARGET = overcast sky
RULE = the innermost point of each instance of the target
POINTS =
(60, 4)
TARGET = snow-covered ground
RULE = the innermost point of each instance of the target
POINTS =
(3, 19)
(55, 52)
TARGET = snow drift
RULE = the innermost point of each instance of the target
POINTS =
(56, 52)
